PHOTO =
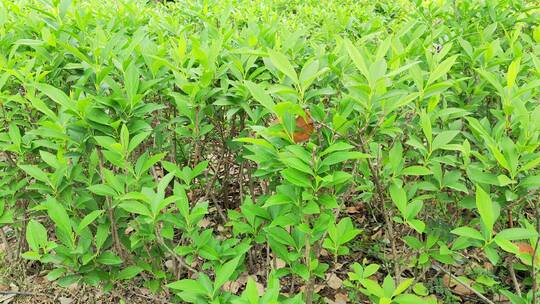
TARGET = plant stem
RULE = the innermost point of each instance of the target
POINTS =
(513, 277)
(387, 220)
(309, 285)
(110, 211)
(481, 296)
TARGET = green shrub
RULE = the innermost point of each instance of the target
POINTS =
(227, 137)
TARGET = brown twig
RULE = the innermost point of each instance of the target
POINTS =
(380, 195)
(513, 277)
(180, 260)
(481, 296)
(385, 212)
(110, 211)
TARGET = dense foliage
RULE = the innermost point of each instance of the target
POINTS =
(302, 149)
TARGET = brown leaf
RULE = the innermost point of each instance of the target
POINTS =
(64, 300)
(526, 248)
(232, 286)
(304, 127)
(353, 209)
(204, 223)
(341, 298)
(280, 263)
(462, 290)
(334, 281)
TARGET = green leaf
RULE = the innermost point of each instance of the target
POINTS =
(55, 273)
(513, 71)
(36, 235)
(293, 162)
(339, 146)
(485, 208)
(88, 219)
(131, 81)
(512, 234)
(224, 273)
(56, 95)
(443, 138)
(281, 236)
(129, 273)
(491, 78)
(408, 299)
(103, 190)
(260, 95)
(399, 197)
(281, 62)
(296, 177)
(468, 232)
(425, 123)
(191, 286)
(135, 207)
(59, 215)
(15, 135)
(403, 286)
(35, 172)
(441, 69)
(109, 258)
(416, 171)
(251, 293)
(357, 58)
(41, 106)
(339, 157)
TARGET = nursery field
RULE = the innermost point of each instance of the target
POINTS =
(270, 151)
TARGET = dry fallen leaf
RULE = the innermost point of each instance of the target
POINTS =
(334, 281)
(64, 300)
(169, 264)
(339, 298)
(204, 223)
(456, 287)
(353, 209)
(232, 286)
(280, 263)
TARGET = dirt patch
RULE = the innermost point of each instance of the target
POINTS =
(23, 282)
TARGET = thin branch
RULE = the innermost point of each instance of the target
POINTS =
(481, 296)
(380, 196)
(180, 261)
(513, 276)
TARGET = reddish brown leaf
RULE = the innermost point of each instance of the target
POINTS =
(304, 128)
(526, 248)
